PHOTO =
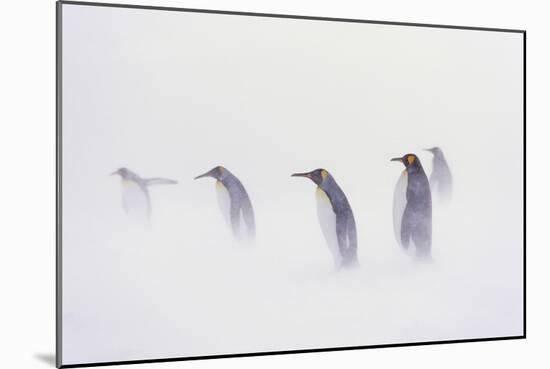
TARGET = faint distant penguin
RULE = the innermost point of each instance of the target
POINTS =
(412, 207)
(233, 200)
(135, 194)
(441, 180)
(336, 218)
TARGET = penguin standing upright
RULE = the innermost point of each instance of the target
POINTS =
(135, 193)
(335, 217)
(441, 180)
(412, 207)
(233, 200)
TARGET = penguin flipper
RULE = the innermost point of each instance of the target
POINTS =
(347, 239)
(352, 242)
(406, 227)
(235, 217)
(248, 216)
(158, 181)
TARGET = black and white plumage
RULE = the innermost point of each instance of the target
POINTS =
(441, 179)
(136, 201)
(335, 217)
(412, 207)
(234, 202)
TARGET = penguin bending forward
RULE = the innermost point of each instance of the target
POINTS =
(233, 200)
(441, 180)
(135, 193)
(335, 217)
(412, 207)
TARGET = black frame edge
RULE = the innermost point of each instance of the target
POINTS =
(524, 184)
(58, 143)
(289, 352)
(58, 173)
(286, 16)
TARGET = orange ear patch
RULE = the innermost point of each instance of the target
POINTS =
(411, 159)
(324, 174)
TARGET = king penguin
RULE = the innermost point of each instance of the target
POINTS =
(233, 200)
(335, 217)
(412, 207)
(441, 180)
(135, 193)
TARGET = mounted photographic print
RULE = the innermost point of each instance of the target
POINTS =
(235, 184)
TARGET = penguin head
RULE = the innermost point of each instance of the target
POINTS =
(434, 150)
(218, 173)
(410, 161)
(122, 172)
(318, 176)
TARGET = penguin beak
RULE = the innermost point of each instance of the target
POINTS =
(430, 150)
(207, 174)
(397, 159)
(307, 175)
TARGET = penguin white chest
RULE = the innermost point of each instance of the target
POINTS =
(399, 204)
(135, 200)
(327, 220)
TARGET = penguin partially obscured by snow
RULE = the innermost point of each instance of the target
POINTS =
(335, 217)
(135, 193)
(234, 202)
(441, 180)
(412, 207)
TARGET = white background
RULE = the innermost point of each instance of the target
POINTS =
(27, 148)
